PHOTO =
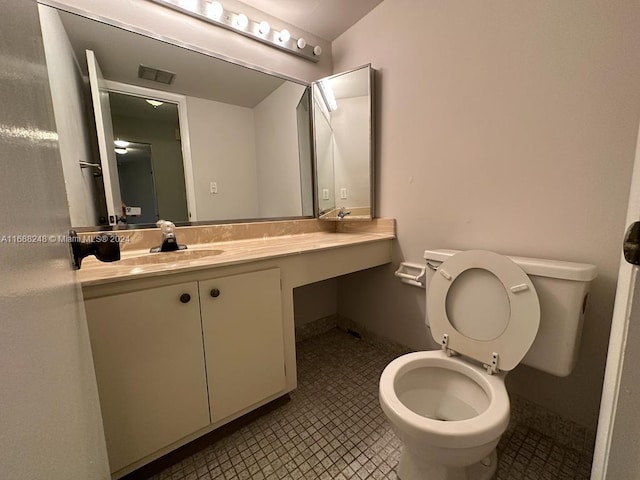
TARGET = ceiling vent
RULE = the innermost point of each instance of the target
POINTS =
(155, 74)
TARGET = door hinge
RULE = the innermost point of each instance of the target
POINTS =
(493, 366)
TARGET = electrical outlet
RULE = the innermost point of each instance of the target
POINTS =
(343, 193)
(213, 187)
(325, 194)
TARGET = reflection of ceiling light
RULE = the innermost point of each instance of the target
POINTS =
(301, 43)
(121, 151)
(328, 96)
(121, 143)
(154, 103)
(214, 10)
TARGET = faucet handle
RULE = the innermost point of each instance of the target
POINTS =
(169, 242)
(343, 213)
(166, 226)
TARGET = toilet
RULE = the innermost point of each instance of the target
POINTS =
(489, 313)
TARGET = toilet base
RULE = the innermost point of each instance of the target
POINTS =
(413, 468)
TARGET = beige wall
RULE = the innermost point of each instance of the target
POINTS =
(315, 301)
(508, 126)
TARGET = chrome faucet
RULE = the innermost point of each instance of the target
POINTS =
(169, 242)
(343, 213)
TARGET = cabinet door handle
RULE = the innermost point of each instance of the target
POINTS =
(215, 292)
(185, 298)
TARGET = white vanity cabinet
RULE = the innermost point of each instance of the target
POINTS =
(176, 360)
(169, 373)
(243, 339)
(149, 363)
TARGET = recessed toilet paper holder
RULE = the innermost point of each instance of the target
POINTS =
(412, 274)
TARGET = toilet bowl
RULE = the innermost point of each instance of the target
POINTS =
(449, 415)
(449, 407)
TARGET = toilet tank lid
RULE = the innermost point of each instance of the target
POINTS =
(581, 272)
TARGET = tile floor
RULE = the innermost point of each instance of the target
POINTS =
(333, 429)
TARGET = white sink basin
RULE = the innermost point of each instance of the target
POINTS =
(168, 257)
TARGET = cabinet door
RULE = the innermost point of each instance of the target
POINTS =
(149, 362)
(244, 348)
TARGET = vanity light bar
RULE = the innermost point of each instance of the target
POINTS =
(213, 12)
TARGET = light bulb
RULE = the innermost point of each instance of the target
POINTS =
(121, 143)
(284, 35)
(154, 103)
(317, 50)
(121, 151)
(301, 43)
(328, 95)
(214, 10)
(241, 21)
(264, 27)
(191, 5)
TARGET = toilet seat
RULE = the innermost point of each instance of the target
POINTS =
(512, 312)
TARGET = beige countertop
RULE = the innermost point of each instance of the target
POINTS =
(139, 263)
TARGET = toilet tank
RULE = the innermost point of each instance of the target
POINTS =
(562, 288)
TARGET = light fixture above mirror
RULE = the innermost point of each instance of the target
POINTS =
(215, 13)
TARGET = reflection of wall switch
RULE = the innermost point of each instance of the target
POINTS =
(213, 187)
(325, 194)
(133, 211)
(343, 193)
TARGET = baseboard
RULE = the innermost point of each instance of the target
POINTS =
(316, 327)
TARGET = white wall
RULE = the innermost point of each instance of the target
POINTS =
(508, 126)
(323, 144)
(277, 159)
(351, 137)
(66, 86)
(223, 150)
(305, 149)
(50, 415)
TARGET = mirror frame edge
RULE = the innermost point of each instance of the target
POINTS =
(372, 150)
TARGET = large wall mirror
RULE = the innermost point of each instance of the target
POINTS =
(343, 135)
(180, 135)
(149, 130)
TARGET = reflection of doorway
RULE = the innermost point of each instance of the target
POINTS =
(137, 183)
(157, 125)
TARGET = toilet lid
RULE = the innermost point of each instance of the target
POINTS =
(485, 305)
